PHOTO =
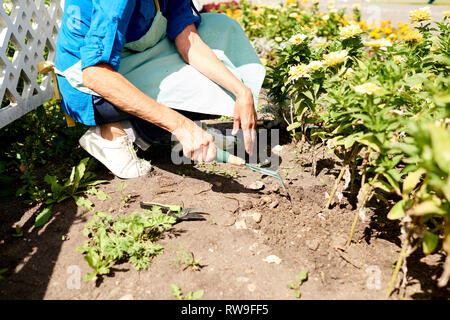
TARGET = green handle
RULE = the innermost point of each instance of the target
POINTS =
(222, 155)
(226, 157)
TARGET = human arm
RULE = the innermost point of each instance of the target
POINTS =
(110, 84)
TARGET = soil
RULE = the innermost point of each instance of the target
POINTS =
(242, 227)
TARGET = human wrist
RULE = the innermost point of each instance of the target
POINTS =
(242, 91)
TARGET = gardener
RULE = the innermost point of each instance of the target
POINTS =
(134, 70)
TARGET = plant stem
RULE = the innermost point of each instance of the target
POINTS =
(402, 256)
(347, 159)
(361, 206)
(364, 167)
(336, 183)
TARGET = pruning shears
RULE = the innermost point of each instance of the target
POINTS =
(176, 211)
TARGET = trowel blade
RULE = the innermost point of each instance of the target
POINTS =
(268, 173)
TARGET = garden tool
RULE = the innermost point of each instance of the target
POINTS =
(46, 67)
(176, 211)
(226, 157)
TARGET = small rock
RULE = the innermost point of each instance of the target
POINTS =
(224, 220)
(127, 297)
(265, 199)
(257, 217)
(257, 185)
(277, 149)
(251, 287)
(272, 259)
(274, 188)
(313, 244)
(240, 224)
(247, 205)
(274, 204)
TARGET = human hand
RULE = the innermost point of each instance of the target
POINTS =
(245, 117)
(198, 145)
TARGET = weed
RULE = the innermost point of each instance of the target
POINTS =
(2, 271)
(18, 233)
(188, 260)
(125, 198)
(123, 239)
(100, 194)
(301, 277)
(80, 178)
(176, 291)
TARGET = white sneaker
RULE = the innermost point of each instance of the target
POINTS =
(117, 155)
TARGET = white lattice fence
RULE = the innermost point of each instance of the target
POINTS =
(28, 31)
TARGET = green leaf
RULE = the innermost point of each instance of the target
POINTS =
(102, 196)
(84, 202)
(440, 139)
(397, 211)
(297, 294)
(293, 126)
(43, 217)
(370, 141)
(89, 276)
(197, 295)
(412, 180)
(176, 291)
(19, 232)
(2, 271)
(80, 169)
(392, 181)
(383, 185)
(290, 285)
(301, 276)
(430, 241)
(52, 181)
(427, 207)
(309, 95)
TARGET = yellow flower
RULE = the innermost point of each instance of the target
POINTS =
(290, 2)
(413, 36)
(350, 31)
(399, 59)
(388, 31)
(315, 65)
(367, 88)
(446, 14)
(420, 15)
(382, 43)
(293, 15)
(335, 58)
(349, 72)
(298, 38)
(298, 71)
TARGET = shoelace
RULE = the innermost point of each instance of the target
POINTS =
(142, 164)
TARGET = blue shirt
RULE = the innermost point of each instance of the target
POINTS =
(96, 31)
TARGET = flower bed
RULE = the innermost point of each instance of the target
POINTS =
(377, 96)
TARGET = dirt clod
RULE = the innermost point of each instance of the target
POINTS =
(257, 185)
